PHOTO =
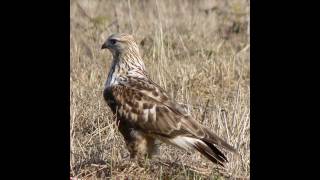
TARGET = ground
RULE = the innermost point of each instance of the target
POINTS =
(196, 50)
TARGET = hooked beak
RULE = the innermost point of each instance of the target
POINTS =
(104, 46)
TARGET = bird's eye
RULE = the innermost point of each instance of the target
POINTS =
(113, 41)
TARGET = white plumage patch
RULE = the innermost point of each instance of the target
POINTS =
(185, 142)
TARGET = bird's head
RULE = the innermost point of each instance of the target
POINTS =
(120, 43)
(124, 50)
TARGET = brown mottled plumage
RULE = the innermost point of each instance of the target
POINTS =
(145, 113)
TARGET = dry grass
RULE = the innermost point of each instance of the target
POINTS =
(197, 50)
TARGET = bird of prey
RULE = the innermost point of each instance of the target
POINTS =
(144, 111)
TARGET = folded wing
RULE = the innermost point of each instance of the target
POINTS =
(148, 108)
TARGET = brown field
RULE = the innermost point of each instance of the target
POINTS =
(197, 50)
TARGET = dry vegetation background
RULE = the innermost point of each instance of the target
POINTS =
(197, 50)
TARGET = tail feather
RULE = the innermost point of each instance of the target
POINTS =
(216, 151)
(210, 154)
(204, 147)
(214, 139)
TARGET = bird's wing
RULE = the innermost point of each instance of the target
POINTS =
(154, 91)
(148, 108)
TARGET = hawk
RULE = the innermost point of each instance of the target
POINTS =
(145, 113)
